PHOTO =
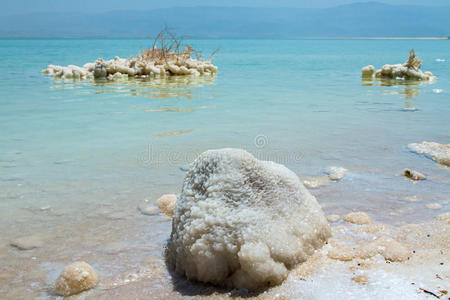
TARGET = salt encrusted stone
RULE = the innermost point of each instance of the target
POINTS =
(438, 152)
(243, 222)
(76, 278)
(413, 175)
(358, 218)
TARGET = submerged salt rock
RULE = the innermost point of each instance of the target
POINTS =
(444, 216)
(27, 242)
(435, 206)
(368, 71)
(316, 182)
(243, 222)
(333, 218)
(147, 207)
(336, 173)
(76, 278)
(359, 218)
(413, 175)
(438, 152)
(166, 204)
(410, 199)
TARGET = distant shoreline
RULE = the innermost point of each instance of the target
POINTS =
(226, 38)
(391, 38)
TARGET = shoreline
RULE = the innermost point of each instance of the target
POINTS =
(214, 38)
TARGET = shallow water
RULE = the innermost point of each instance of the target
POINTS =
(76, 158)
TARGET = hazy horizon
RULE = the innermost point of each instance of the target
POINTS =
(86, 6)
(358, 19)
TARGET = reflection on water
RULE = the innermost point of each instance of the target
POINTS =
(390, 87)
(410, 90)
(149, 87)
(174, 132)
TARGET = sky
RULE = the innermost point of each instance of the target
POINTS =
(30, 6)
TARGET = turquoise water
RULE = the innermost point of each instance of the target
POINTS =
(77, 157)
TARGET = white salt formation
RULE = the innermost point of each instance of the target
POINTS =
(336, 173)
(242, 222)
(333, 218)
(76, 278)
(134, 67)
(367, 72)
(359, 218)
(438, 152)
(409, 70)
(165, 58)
(166, 204)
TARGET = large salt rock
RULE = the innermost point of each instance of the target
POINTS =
(76, 278)
(242, 222)
(438, 152)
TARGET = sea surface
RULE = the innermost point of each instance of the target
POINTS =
(77, 157)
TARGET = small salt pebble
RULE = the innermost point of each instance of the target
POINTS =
(435, 206)
(358, 218)
(166, 204)
(413, 175)
(410, 199)
(76, 278)
(315, 182)
(333, 218)
(148, 208)
(444, 216)
(336, 173)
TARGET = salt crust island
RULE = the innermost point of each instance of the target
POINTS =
(410, 70)
(146, 64)
(243, 223)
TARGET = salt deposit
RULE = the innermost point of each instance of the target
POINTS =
(333, 218)
(358, 218)
(435, 206)
(336, 173)
(410, 199)
(444, 216)
(438, 152)
(76, 278)
(166, 204)
(409, 70)
(243, 222)
(413, 175)
(137, 66)
(368, 71)
(27, 243)
(315, 182)
(147, 207)
(388, 263)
